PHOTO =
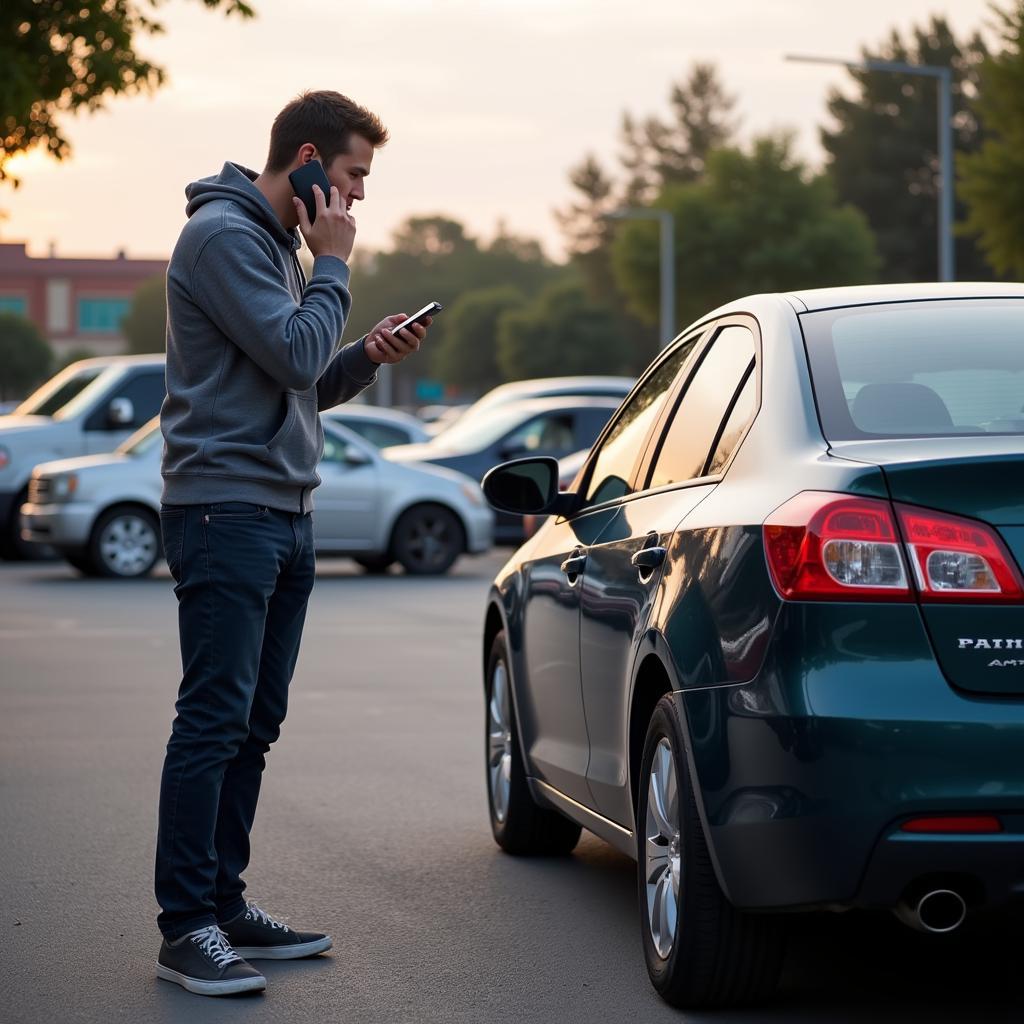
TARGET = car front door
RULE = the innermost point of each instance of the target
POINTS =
(140, 392)
(625, 564)
(550, 699)
(348, 498)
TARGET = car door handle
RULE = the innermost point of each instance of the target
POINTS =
(648, 559)
(575, 563)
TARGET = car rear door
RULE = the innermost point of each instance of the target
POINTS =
(711, 405)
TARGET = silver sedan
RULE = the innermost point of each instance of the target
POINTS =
(101, 511)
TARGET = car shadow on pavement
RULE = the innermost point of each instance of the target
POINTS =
(841, 968)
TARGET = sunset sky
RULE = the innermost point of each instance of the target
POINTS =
(489, 103)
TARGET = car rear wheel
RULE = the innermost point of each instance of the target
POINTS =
(519, 825)
(427, 539)
(125, 542)
(700, 950)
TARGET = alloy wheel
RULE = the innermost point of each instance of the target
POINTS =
(499, 742)
(662, 860)
(430, 540)
(128, 545)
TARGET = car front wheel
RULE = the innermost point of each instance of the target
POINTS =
(125, 543)
(700, 950)
(519, 825)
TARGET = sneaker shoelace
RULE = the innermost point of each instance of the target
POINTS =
(254, 913)
(214, 943)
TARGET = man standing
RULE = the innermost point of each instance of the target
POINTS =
(252, 356)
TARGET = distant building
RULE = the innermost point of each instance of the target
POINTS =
(76, 303)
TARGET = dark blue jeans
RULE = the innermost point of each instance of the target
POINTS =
(243, 574)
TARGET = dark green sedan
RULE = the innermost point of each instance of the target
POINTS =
(771, 643)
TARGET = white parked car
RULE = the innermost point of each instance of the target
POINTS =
(101, 511)
(381, 426)
(92, 406)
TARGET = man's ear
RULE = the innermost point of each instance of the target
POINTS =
(307, 151)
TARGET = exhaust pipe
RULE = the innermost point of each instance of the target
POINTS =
(939, 911)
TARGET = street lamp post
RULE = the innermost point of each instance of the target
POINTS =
(944, 81)
(667, 262)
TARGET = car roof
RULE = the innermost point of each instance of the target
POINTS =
(534, 405)
(546, 383)
(372, 412)
(155, 359)
(814, 299)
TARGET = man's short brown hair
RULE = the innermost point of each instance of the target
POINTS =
(326, 119)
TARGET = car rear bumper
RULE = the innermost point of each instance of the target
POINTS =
(65, 526)
(806, 774)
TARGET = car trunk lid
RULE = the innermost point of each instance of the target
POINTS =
(979, 645)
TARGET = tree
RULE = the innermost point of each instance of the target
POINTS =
(145, 325)
(467, 355)
(60, 57)
(562, 332)
(756, 223)
(883, 152)
(654, 153)
(25, 356)
(992, 179)
(434, 258)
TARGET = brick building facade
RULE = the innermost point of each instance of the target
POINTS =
(75, 303)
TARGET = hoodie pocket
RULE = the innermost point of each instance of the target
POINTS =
(295, 448)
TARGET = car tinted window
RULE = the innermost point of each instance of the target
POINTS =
(145, 390)
(736, 425)
(920, 369)
(550, 433)
(695, 423)
(613, 465)
(381, 435)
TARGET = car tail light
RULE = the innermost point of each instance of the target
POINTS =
(957, 559)
(835, 547)
(960, 824)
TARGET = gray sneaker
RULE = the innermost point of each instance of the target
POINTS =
(204, 962)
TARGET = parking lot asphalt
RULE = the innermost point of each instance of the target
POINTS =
(372, 825)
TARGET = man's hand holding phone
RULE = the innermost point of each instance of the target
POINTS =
(333, 233)
(384, 346)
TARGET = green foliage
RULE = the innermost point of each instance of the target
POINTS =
(466, 357)
(992, 180)
(563, 332)
(756, 223)
(25, 356)
(145, 325)
(59, 57)
(434, 258)
(655, 153)
(883, 152)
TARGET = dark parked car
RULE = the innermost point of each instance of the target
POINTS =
(773, 645)
(536, 426)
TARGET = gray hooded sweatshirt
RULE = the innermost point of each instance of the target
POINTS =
(253, 353)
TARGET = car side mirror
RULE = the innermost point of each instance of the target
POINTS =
(121, 412)
(355, 456)
(527, 487)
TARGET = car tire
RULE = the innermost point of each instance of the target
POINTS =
(375, 566)
(125, 543)
(13, 547)
(700, 950)
(427, 539)
(520, 826)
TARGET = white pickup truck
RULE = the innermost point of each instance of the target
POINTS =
(88, 408)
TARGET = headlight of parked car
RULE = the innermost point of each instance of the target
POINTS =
(473, 494)
(64, 486)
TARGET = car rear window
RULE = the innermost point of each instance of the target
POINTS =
(923, 369)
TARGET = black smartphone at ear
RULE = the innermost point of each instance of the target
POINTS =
(431, 309)
(303, 180)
